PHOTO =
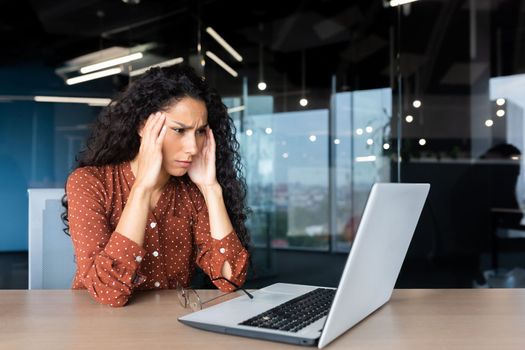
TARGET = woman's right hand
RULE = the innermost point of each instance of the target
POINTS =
(146, 166)
(149, 159)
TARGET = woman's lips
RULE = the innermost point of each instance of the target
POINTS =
(183, 164)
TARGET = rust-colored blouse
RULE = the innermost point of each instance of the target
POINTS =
(111, 266)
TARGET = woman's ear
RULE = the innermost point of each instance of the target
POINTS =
(140, 129)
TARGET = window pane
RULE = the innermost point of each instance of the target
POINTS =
(362, 155)
(287, 174)
(38, 146)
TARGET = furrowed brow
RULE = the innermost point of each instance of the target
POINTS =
(181, 124)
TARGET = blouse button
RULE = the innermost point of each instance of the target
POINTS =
(155, 253)
(222, 250)
(138, 258)
(157, 284)
(153, 225)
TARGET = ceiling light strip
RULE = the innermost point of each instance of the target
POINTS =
(365, 159)
(222, 63)
(236, 109)
(92, 76)
(111, 63)
(167, 63)
(224, 44)
(64, 99)
(394, 3)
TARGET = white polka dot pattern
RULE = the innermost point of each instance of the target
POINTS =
(177, 235)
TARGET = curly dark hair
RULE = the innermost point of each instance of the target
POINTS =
(113, 141)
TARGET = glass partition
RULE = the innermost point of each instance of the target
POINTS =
(354, 93)
(38, 146)
(363, 146)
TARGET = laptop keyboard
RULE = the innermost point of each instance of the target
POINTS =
(295, 314)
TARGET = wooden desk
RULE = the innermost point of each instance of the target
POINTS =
(413, 319)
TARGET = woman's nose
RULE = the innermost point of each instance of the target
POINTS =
(191, 145)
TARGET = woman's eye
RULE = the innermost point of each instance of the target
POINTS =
(201, 132)
(178, 131)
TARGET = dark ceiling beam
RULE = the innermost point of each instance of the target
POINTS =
(109, 33)
(435, 41)
(520, 45)
(289, 23)
(366, 24)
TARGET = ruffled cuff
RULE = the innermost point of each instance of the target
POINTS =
(228, 249)
(126, 253)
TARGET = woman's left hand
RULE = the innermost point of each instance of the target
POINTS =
(202, 170)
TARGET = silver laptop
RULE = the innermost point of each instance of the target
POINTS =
(310, 315)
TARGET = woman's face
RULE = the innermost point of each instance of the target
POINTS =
(186, 122)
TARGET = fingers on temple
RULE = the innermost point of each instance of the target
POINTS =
(211, 139)
(162, 134)
(154, 125)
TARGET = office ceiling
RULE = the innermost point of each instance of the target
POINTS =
(349, 39)
(55, 31)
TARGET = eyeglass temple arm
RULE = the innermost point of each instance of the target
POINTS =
(235, 285)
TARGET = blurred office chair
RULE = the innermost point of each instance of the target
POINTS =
(507, 232)
(51, 256)
(507, 237)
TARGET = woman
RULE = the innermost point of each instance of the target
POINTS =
(157, 190)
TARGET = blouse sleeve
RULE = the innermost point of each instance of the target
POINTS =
(107, 261)
(213, 253)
